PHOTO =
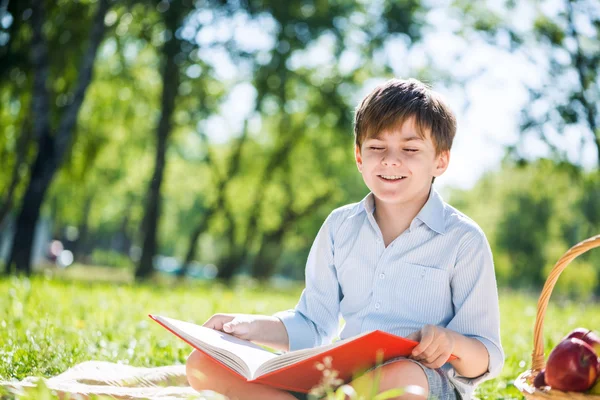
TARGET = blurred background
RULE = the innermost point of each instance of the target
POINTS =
(210, 139)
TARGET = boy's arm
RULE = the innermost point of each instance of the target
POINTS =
(472, 356)
(477, 316)
(315, 319)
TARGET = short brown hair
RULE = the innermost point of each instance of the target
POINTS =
(389, 105)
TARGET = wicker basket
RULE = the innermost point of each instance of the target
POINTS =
(525, 381)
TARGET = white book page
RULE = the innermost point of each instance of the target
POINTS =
(216, 342)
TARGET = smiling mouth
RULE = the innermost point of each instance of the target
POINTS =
(391, 178)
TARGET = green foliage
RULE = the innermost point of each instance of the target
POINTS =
(548, 29)
(101, 187)
(578, 281)
(588, 203)
(521, 232)
(532, 214)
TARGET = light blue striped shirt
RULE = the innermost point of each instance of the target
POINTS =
(439, 271)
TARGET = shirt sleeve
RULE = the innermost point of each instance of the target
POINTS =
(315, 320)
(475, 301)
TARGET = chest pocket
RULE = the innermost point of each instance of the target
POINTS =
(422, 294)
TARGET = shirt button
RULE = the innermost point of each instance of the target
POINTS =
(381, 276)
(377, 305)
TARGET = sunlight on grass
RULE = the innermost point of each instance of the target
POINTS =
(51, 324)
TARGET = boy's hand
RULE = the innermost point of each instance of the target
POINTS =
(262, 329)
(435, 345)
(239, 325)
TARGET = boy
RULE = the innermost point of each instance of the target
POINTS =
(401, 260)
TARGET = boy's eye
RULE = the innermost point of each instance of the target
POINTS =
(375, 148)
(411, 150)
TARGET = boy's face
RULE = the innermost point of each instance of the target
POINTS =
(398, 166)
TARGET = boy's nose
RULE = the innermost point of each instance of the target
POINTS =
(391, 159)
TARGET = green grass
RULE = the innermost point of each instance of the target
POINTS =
(51, 324)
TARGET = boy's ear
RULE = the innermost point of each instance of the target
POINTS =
(443, 159)
(358, 157)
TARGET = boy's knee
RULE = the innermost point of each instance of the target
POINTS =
(404, 373)
(194, 366)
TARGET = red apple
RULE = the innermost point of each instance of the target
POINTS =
(587, 336)
(540, 379)
(572, 366)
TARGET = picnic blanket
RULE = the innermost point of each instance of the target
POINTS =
(118, 381)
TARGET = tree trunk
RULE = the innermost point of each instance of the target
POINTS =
(51, 148)
(269, 253)
(170, 80)
(7, 202)
(230, 263)
(79, 248)
(41, 176)
(122, 241)
(193, 246)
(15, 179)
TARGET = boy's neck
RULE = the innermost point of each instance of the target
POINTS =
(394, 219)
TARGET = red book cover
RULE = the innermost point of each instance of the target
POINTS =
(348, 357)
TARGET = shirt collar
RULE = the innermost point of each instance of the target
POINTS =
(432, 213)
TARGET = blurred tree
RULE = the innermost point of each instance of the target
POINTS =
(522, 235)
(272, 241)
(52, 144)
(15, 83)
(110, 161)
(20, 163)
(561, 41)
(170, 76)
(304, 80)
(530, 223)
(292, 88)
(14, 38)
(232, 170)
(590, 205)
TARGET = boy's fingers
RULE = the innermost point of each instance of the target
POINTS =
(439, 361)
(414, 336)
(426, 340)
(431, 353)
(237, 327)
(439, 356)
(211, 323)
(217, 321)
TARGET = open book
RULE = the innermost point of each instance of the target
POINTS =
(294, 370)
